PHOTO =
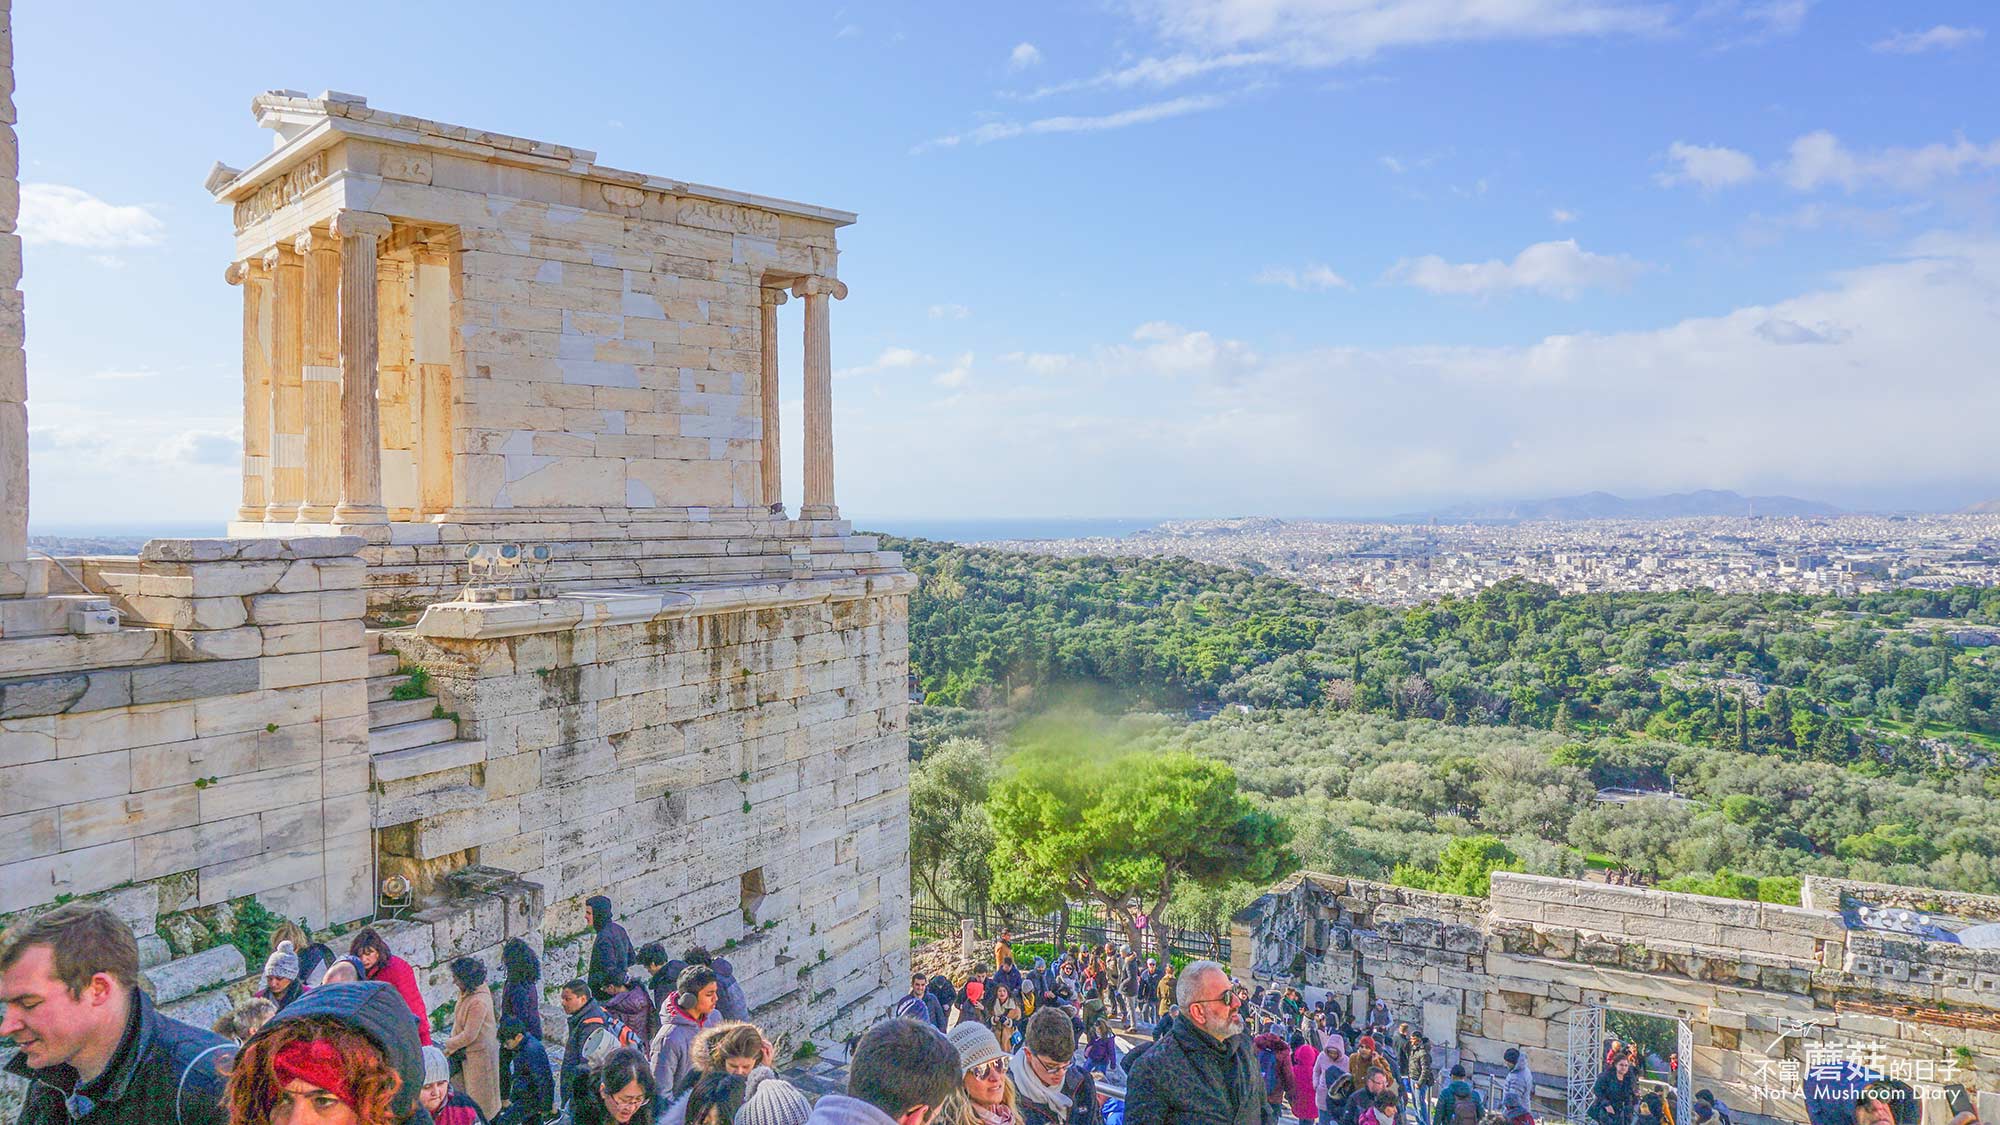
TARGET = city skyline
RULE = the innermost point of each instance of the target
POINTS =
(1189, 257)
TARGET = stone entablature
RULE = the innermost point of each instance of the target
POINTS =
(1759, 983)
(448, 325)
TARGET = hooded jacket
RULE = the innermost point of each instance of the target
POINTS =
(374, 1009)
(163, 1072)
(729, 998)
(673, 1046)
(1274, 1066)
(1187, 1077)
(1517, 1096)
(611, 953)
(529, 1083)
(1448, 1100)
(635, 1009)
(1305, 1099)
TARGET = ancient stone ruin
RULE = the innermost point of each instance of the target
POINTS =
(512, 611)
(1898, 979)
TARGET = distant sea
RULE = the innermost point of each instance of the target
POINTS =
(980, 531)
(167, 530)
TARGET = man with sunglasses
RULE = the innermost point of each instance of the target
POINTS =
(1050, 1089)
(92, 1046)
(1202, 1071)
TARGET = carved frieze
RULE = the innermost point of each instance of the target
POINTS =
(281, 191)
(711, 215)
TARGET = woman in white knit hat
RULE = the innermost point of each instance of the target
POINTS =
(282, 983)
(985, 1095)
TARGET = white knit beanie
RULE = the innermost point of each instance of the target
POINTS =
(770, 1100)
(283, 962)
(437, 1068)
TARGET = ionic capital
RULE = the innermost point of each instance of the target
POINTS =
(311, 240)
(771, 297)
(276, 255)
(817, 286)
(236, 273)
(360, 224)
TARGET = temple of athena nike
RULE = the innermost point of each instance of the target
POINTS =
(512, 611)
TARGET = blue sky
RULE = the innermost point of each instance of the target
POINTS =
(1179, 257)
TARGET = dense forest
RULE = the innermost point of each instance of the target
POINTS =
(1874, 681)
(1385, 798)
(1767, 737)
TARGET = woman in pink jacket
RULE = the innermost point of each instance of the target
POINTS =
(1305, 1103)
(373, 953)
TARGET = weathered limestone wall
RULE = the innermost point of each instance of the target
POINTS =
(730, 766)
(1762, 985)
(219, 750)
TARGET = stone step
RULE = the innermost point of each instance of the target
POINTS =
(395, 712)
(384, 664)
(427, 802)
(403, 736)
(436, 757)
(374, 641)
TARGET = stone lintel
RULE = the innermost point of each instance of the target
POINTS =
(593, 609)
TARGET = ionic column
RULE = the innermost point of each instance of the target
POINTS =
(773, 462)
(359, 233)
(321, 375)
(819, 504)
(283, 363)
(17, 576)
(256, 283)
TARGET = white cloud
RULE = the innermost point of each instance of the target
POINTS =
(949, 312)
(957, 375)
(1158, 348)
(1562, 216)
(1023, 56)
(1558, 269)
(1138, 115)
(1391, 163)
(1708, 166)
(848, 31)
(55, 214)
(1314, 276)
(893, 358)
(1818, 159)
(1323, 32)
(121, 375)
(1943, 37)
(1820, 391)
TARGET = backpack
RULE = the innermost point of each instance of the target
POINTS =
(1465, 1108)
(609, 1035)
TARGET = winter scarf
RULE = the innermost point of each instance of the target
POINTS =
(1029, 1085)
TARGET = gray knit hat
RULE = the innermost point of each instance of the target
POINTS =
(437, 1068)
(770, 1100)
(283, 962)
(975, 1043)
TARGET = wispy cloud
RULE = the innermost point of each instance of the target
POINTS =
(957, 375)
(55, 214)
(1561, 215)
(1557, 269)
(1706, 166)
(125, 375)
(1819, 159)
(1324, 32)
(949, 312)
(1071, 123)
(891, 359)
(1943, 37)
(1023, 56)
(1313, 276)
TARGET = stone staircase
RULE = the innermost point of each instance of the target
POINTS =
(414, 736)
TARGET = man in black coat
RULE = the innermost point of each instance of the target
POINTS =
(611, 953)
(1202, 1072)
(92, 1046)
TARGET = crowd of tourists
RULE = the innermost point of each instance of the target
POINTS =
(659, 1040)
(347, 1040)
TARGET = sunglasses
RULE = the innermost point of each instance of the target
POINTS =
(991, 1068)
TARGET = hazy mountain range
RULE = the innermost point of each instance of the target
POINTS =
(1604, 505)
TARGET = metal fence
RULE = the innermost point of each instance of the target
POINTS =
(1087, 924)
